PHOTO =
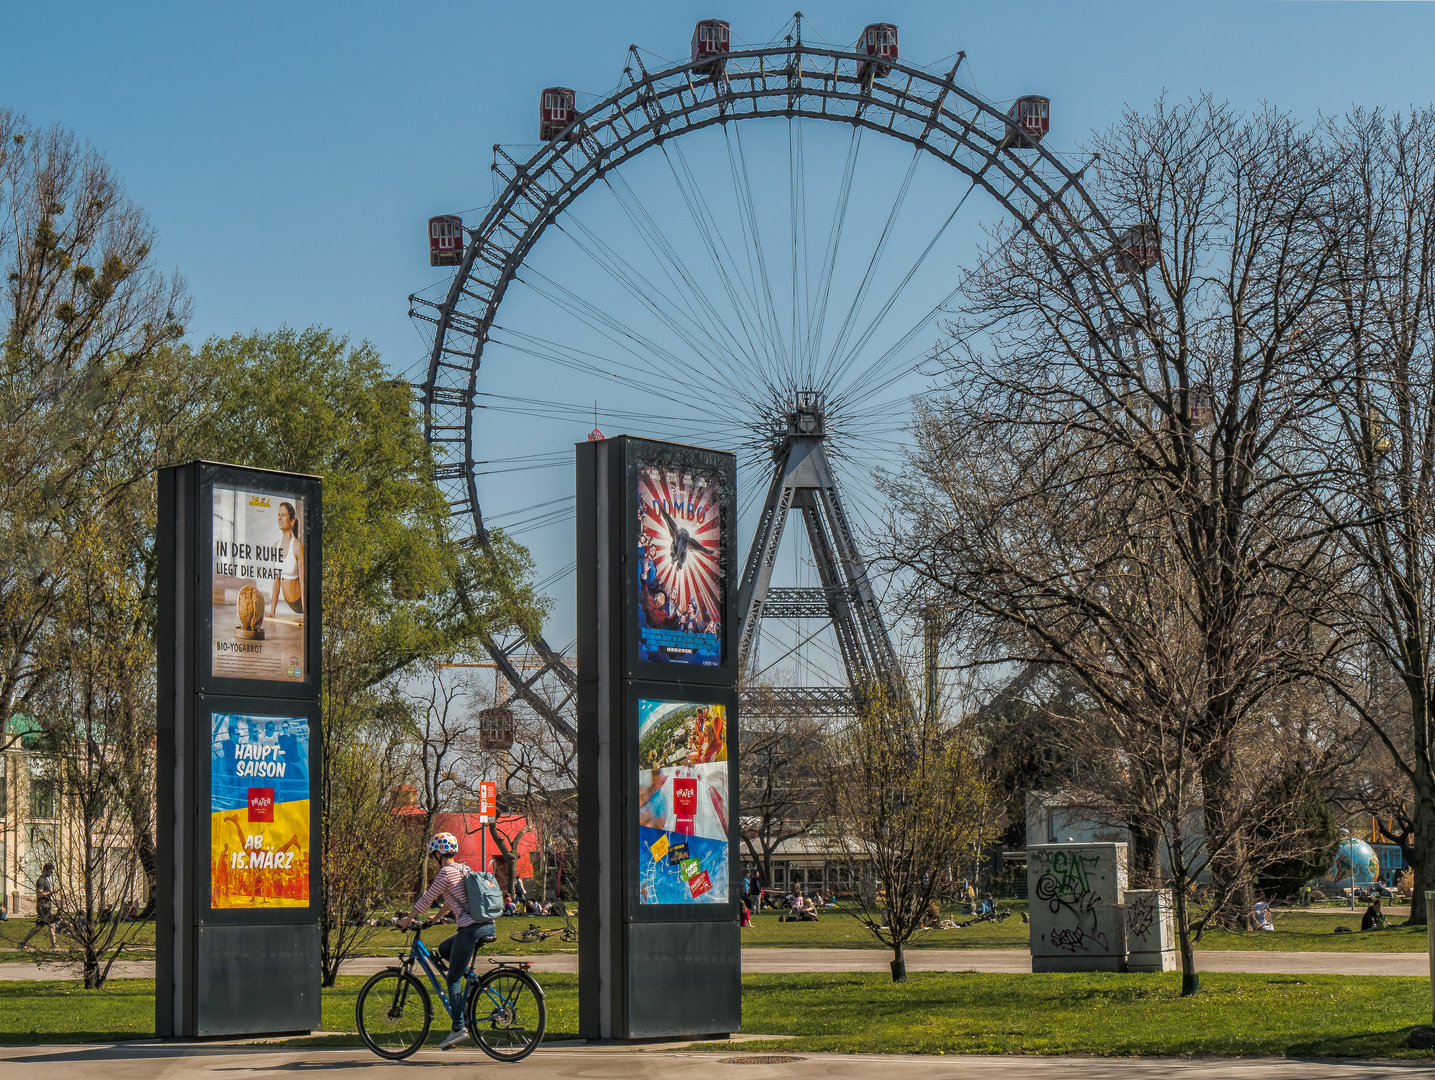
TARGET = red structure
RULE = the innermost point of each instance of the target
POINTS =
(710, 45)
(477, 848)
(557, 108)
(445, 240)
(1140, 249)
(1033, 120)
(879, 41)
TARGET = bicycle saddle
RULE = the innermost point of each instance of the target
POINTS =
(488, 939)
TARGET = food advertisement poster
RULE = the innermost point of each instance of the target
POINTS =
(680, 571)
(258, 586)
(259, 811)
(683, 803)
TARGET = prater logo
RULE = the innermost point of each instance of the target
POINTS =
(261, 804)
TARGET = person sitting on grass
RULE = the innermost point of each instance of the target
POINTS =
(933, 917)
(801, 909)
(1374, 918)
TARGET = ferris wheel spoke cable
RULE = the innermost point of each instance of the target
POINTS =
(675, 268)
(699, 209)
(625, 274)
(553, 353)
(872, 263)
(906, 279)
(850, 395)
(603, 322)
(763, 305)
(797, 213)
(681, 324)
(817, 319)
(754, 232)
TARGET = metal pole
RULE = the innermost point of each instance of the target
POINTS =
(1430, 938)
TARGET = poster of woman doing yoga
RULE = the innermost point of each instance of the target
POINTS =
(259, 577)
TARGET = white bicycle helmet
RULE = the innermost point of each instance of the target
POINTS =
(445, 843)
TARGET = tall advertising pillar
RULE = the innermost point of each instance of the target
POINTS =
(237, 934)
(659, 952)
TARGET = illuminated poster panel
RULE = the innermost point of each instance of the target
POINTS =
(258, 586)
(680, 571)
(683, 803)
(259, 811)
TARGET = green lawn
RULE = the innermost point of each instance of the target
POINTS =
(934, 1013)
(1296, 931)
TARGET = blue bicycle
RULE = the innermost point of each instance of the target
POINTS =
(504, 1008)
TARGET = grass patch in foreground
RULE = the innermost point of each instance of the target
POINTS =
(934, 1013)
(1315, 1015)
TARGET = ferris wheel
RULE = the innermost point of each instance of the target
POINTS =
(748, 248)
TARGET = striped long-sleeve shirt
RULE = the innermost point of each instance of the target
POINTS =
(447, 883)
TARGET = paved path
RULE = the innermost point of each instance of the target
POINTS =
(653, 1063)
(798, 960)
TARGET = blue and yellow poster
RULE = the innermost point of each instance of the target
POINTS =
(683, 803)
(259, 811)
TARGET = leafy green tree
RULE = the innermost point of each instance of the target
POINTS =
(396, 592)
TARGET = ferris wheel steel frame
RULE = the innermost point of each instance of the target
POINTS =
(787, 81)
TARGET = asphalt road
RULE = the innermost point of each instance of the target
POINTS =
(149, 1061)
(798, 960)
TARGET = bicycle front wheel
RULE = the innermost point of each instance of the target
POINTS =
(394, 1013)
(526, 936)
(507, 1014)
(570, 935)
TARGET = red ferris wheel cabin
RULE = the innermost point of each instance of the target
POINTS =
(1140, 249)
(879, 41)
(1033, 120)
(445, 240)
(557, 108)
(710, 45)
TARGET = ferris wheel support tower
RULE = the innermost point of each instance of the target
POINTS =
(803, 480)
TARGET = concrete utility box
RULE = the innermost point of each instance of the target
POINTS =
(1150, 930)
(1077, 919)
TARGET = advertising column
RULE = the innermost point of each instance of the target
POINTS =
(237, 937)
(658, 946)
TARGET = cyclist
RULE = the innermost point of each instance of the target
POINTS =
(456, 950)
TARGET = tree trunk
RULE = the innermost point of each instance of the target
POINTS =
(1423, 864)
(1230, 885)
(1145, 858)
(899, 963)
(1190, 981)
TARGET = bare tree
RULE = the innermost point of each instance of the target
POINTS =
(780, 776)
(1381, 444)
(906, 802)
(87, 316)
(1117, 480)
(97, 715)
(367, 851)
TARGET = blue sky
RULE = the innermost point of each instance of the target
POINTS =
(289, 155)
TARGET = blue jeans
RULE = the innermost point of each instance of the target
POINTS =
(457, 952)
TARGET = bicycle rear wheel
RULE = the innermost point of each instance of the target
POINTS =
(530, 935)
(507, 1014)
(394, 1013)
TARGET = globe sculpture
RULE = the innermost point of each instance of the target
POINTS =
(1357, 858)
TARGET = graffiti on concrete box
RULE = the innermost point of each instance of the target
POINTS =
(1075, 894)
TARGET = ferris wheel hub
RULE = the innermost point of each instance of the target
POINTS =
(804, 420)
